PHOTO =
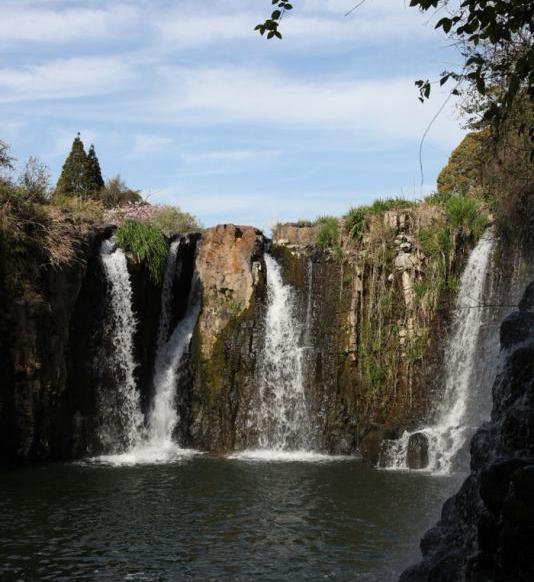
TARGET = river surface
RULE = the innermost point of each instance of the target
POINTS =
(213, 518)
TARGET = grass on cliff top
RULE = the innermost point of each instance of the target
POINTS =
(147, 243)
(356, 218)
(327, 234)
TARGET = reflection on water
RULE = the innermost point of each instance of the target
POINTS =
(205, 518)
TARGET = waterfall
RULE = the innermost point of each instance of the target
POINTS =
(119, 408)
(156, 444)
(309, 305)
(163, 415)
(448, 434)
(282, 416)
(166, 295)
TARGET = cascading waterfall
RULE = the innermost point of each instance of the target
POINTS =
(163, 415)
(448, 435)
(156, 444)
(120, 411)
(167, 295)
(309, 306)
(282, 419)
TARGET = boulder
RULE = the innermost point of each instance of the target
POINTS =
(417, 451)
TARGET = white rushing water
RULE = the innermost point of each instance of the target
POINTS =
(122, 405)
(274, 455)
(157, 445)
(282, 417)
(163, 415)
(449, 433)
(167, 295)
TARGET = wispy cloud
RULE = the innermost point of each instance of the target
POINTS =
(229, 155)
(36, 24)
(64, 78)
(144, 144)
(384, 107)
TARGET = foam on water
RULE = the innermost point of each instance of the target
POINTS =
(145, 455)
(277, 455)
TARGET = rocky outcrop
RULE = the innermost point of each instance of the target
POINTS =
(38, 343)
(486, 529)
(54, 355)
(228, 267)
(228, 336)
(375, 313)
(295, 233)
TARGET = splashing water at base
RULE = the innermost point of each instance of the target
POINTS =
(144, 454)
(448, 435)
(157, 445)
(276, 455)
(120, 410)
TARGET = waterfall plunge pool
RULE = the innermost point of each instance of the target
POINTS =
(208, 518)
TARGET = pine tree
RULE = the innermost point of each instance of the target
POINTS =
(73, 178)
(95, 182)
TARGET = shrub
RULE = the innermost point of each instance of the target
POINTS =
(171, 220)
(35, 180)
(381, 205)
(117, 193)
(328, 231)
(32, 236)
(436, 241)
(147, 243)
(462, 212)
(355, 222)
(463, 171)
(81, 210)
(438, 197)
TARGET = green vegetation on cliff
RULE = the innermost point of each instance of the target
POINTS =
(147, 244)
(45, 226)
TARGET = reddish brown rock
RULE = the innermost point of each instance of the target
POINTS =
(228, 264)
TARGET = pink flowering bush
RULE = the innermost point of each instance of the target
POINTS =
(138, 211)
(167, 219)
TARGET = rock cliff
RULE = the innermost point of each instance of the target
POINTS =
(486, 529)
(375, 313)
(232, 275)
(371, 316)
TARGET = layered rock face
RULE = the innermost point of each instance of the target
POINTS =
(35, 419)
(486, 530)
(371, 318)
(374, 314)
(228, 336)
(54, 356)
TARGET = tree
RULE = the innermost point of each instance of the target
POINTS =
(495, 39)
(6, 159)
(34, 181)
(95, 182)
(73, 179)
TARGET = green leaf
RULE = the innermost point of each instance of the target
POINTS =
(446, 23)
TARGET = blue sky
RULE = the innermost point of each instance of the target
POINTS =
(185, 101)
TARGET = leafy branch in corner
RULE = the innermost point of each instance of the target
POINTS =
(496, 42)
(270, 26)
(495, 39)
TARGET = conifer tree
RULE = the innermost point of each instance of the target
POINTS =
(95, 182)
(73, 178)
